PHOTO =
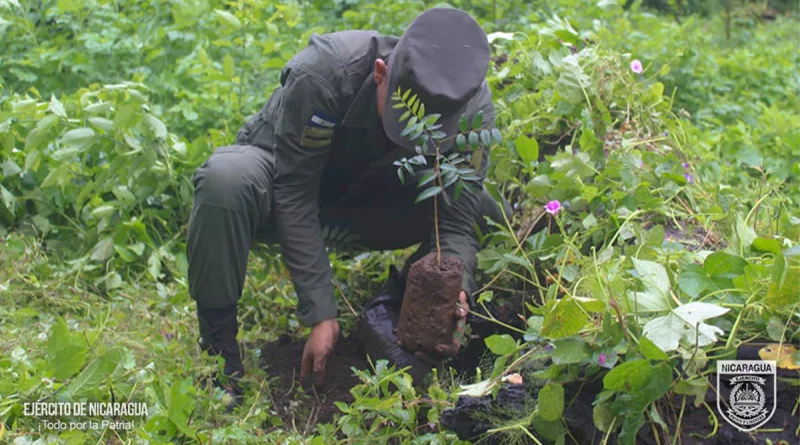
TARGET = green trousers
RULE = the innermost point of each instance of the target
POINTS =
(233, 210)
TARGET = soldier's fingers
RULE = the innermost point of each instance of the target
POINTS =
(462, 308)
(307, 363)
(319, 369)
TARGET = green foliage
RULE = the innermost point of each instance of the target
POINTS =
(676, 237)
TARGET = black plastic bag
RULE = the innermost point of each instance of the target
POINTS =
(469, 419)
(376, 329)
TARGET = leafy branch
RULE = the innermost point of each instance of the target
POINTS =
(424, 131)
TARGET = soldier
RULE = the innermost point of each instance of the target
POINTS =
(318, 159)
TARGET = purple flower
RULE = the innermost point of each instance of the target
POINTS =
(685, 165)
(602, 359)
(666, 133)
(636, 66)
(553, 207)
(689, 178)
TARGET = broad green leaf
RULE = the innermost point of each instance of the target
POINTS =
(228, 19)
(629, 376)
(724, 265)
(102, 123)
(569, 350)
(658, 382)
(156, 126)
(501, 344)
(603, 417)
(766, 245)
(75, 141)
(693, 280)
(103, 249)
(551, 402)
(66, 352)
(685, 322)
(564, 319)
(528, 149)
(653, 275)
(103, 211)
(57, 108)
(650, 350)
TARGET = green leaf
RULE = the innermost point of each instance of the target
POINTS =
(428, 193)
(228, 66)
(630, 376)
(766, 245)
(501, 344)
(603, 417)
(228, 19)
(404, 116)
(477, 120)
(569, 350)
(463, 123)
(103, 249)
(693, 280)
(461, 141)
(650, 350)
(498, 137)
(474, 139)
(724, 265)
(102, 211)
(75, 141)
(653, 275)
(551, 402)
(57, 108)
(630, 428)
(156, 126)
(685, 322)
(658, 383)
(527, 148)
(566, 318)
(66, 352)
(426, 179)
(486, 138)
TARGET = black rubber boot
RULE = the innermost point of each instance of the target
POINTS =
(218, 329)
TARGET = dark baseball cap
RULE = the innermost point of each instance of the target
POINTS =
(443, 57)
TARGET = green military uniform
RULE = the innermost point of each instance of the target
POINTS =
(315, 161)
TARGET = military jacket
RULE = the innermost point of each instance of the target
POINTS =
(322, 125)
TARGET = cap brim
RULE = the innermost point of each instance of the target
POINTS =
(393, 127)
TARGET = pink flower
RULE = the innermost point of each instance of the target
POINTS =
(636, 66)
(602, 359)
(553, 207)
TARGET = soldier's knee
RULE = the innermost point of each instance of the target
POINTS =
(231, 178)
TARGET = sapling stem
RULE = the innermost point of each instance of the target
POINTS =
(436, 208)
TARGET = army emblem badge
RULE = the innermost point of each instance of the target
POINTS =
(746, 392)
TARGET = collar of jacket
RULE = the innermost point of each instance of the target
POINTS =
(363, 111)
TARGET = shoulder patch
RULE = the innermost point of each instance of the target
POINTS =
(318, 131)
(320, 120)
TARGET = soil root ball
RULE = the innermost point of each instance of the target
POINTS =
(427, 316)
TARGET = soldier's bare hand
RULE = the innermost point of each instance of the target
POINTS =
(318, 349)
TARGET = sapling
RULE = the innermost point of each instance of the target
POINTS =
(434, 283)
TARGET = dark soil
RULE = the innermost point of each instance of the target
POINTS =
(427, 316)
(299, 403)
